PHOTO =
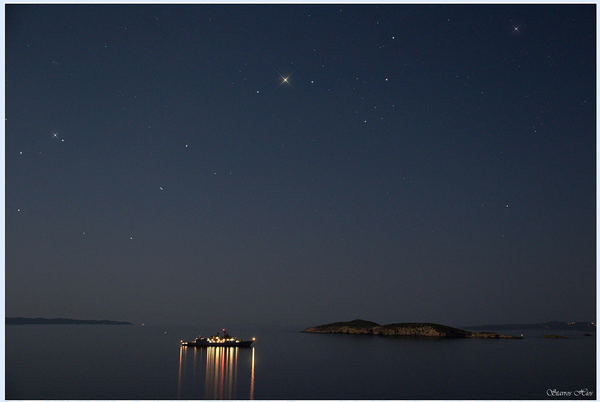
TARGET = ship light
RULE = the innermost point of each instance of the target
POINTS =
(253, 339)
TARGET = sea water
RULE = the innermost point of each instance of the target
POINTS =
(147, 362)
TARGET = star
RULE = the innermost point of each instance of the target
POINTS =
(284, 80)
(515, 27)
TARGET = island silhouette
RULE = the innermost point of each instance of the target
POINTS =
(59, 321)
(411, 329)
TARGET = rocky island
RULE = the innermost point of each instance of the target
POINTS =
(416, 329)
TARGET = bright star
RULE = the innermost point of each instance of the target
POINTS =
(515, 27)
(284, 80)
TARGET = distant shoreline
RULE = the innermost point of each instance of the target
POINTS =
(554, 325)
(60, 321)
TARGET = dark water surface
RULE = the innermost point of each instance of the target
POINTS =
(146, 362)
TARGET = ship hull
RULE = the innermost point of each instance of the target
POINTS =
(206, 344)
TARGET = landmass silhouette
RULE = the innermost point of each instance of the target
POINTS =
(60, 321)
(416, 329)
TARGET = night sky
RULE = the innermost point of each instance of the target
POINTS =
(301, 164)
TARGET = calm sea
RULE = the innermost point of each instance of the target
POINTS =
(146, 362)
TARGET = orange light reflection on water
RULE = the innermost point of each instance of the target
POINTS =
(252, 378)
(180, 369)
(221, 372)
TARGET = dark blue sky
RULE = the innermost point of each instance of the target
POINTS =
(418, 163)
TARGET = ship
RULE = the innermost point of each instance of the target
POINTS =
(215, 340)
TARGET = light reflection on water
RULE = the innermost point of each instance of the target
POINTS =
(224, 369)
(326, 367)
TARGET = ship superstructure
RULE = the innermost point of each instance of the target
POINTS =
(216, 340)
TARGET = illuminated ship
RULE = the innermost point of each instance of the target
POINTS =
(216, 340)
